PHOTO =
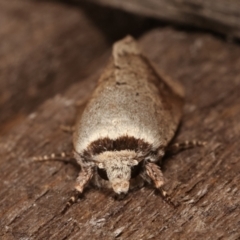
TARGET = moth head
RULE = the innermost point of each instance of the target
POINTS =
(118, 167)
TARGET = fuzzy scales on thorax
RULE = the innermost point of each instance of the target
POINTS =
(131, 101)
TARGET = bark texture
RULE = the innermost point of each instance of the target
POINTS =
(220, 16)
(203, 181)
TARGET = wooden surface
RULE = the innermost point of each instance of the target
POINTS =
(204, 181)
(221, 16)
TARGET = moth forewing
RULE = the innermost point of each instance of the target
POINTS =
(130, 119)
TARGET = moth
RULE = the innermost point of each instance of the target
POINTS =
(128, 123)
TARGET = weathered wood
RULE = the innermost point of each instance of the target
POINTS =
(220, 16)
(204, 181)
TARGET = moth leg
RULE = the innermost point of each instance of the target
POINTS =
(176, 147)
(82, 181)
(156, 175)
(71, 201)
(67, 128)
(154, 172)
(83, 178)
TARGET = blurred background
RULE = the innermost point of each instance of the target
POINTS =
(48, 45)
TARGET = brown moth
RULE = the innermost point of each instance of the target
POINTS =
(128, 123)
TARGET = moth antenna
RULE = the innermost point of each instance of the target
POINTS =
(63, 156)
(67, 128)
(177, 147)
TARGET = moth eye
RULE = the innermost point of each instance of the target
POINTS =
(136, 169)
(102, 173)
